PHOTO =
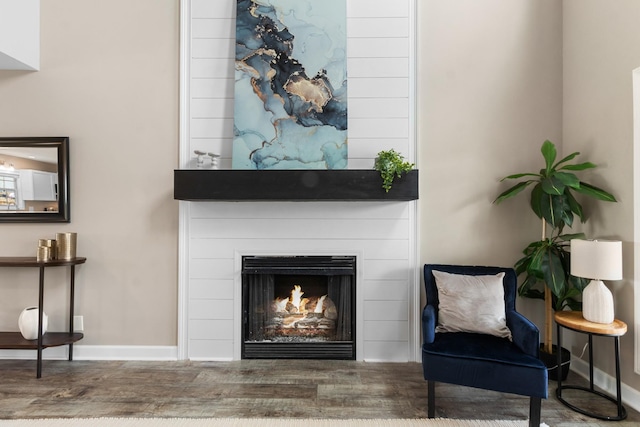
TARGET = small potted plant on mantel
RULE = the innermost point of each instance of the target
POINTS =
(391, 164)
(546, 262)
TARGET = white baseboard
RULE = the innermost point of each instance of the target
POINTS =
(630, 396)
(98, 352)
(212, 359)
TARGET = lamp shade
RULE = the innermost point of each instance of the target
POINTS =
(596, 259)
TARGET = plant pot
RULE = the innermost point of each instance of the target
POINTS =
(551, 362)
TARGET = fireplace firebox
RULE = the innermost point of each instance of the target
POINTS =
(298, 307)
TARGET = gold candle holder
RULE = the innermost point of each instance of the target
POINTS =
(44, 254)
(66, 243)
(49, 243)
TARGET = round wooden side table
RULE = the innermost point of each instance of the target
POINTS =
(574, 321)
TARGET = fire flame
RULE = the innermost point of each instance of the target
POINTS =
(296, 296)
(320, 304)
(297, 304)
(281, 304)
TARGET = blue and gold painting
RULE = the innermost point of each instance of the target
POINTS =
(290, 85)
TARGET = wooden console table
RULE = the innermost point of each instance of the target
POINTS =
(14, 340)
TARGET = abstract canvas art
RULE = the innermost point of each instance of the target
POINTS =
(290, 85)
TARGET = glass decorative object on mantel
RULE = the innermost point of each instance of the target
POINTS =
(205, 160)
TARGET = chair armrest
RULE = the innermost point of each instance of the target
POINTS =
(428, 324)
(526, 335)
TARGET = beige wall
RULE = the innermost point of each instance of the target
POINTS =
(108, 80)
(490, 92)
(601, 48)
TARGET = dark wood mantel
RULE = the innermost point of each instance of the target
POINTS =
(291, 185)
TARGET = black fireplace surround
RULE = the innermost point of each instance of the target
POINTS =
(318, 324)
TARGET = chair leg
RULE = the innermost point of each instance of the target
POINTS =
(431, 400)
(535, 407)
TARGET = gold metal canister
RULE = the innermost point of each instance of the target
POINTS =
(66, 243)
(44, 254)
(48, 243)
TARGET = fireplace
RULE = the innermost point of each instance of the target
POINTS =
(298, 307)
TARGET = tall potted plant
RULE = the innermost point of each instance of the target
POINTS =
(546, 261)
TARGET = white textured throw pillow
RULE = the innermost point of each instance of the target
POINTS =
(471, 304)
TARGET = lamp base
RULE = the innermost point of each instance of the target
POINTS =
(597, 303)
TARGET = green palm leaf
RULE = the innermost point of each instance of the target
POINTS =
(576, 207)
(552, 185)
(568, 179)
(537, 204)
(579, 167)
(554, 274)
(510, 192)
(566, 159)
(549, 153)
(595, 192)
(520, 175)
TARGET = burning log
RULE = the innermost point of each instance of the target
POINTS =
(303, 317)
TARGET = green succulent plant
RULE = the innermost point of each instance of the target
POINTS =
(546, 262)
(391, 164)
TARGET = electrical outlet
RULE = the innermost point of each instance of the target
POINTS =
(78, 323)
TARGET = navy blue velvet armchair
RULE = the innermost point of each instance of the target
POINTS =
(481, 360)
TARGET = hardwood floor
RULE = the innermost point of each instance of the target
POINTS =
(267, 388)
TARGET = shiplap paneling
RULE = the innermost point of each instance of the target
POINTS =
(205, 128)
(371, 108)
(387, 351)
(375, 28)
(212, 88)
(211, 329)
(216, 68)
(347, 210)
(378, 48)
(385, 290)
(212, 289)
(216, 28)
(209, 108)
(386, 331)
(377, 67)
(387, 87)
(382, 235)
(213, 9)
(378, 8)
(211, 349)
(381, 249)
(211, 48)
(368, 148)
(299, 228)
(212, 309)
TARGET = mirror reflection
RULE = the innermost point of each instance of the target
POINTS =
(33, 179)
(29, 179)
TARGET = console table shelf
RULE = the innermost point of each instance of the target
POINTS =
(31, 261)
(14, 340)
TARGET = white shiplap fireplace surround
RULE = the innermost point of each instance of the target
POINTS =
(383, 236)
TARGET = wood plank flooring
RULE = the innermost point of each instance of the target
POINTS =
(264, 388)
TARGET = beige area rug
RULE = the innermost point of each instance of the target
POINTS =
(253, 422)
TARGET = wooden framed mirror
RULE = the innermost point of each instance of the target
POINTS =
(34, 179)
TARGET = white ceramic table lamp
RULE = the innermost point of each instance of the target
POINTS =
(597, 260)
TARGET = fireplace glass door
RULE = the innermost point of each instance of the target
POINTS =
(298, 307)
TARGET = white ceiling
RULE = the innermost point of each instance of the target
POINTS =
(41, 154)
